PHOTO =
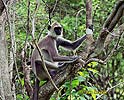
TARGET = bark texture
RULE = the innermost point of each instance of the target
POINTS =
(5, 85)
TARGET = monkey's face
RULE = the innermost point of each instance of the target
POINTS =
(58, 30)
(55, 30)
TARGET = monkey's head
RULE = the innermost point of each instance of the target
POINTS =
(55, 29)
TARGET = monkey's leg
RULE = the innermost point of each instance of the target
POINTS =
(46, 72)
(36, 90)
(50, 65)
(66, 59)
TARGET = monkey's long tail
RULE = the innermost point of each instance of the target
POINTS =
(36, 90)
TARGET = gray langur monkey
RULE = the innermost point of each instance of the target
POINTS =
(49, 48)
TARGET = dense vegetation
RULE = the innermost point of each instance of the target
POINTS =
(90, 82)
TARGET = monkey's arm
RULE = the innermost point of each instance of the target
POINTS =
(50, 65)
(65, 58)
(70, 45)
(73, 45)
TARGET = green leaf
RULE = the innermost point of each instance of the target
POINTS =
(80, 73)
(94, 96)
(19, 96)
(81, 79)
(93, 70)
(75, 83)
(93, 64)
(42, 82)
(83, 73)
(22, 82)
(67, 84)
(82, 98)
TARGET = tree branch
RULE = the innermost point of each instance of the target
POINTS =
(63, 74)
(113, 13)
(108, 26)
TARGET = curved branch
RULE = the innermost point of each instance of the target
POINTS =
(109, 25)
(111, 16)
(116, 18)
(116, 33)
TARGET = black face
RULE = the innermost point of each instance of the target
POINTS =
(58, 30)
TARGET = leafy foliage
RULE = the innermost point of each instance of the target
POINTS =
(89, 82)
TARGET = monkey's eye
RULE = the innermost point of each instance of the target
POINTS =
(57, 30)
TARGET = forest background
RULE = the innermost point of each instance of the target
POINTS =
(100, 79)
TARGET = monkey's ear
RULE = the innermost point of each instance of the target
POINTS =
(49, 27)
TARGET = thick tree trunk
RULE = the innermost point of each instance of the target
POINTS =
(89, 39)
(5, 85)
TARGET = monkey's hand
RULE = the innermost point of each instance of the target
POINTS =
(74, 58)
(89, 30)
